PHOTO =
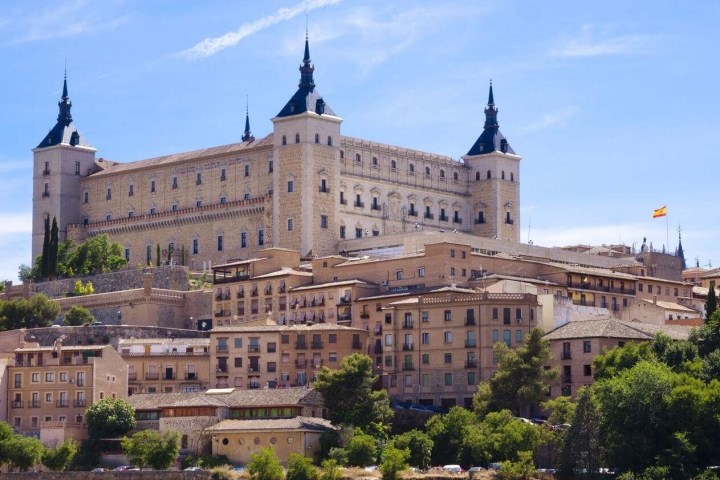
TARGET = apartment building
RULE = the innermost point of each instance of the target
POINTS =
(264, 354)
(49, 388)
(166, 365)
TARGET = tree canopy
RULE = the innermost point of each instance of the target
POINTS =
(109, 418)
(151, 448)
(37, 311)
(349, 397)
(78, 315)
(264, 465)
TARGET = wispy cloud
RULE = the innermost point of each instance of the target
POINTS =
(211, 46)
(589, 42)
(627, 233)
(66, 19)
(551, 119)
(15, 223)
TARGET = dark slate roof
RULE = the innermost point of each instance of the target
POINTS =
(64, 131)
(491, 140)
(306, 99)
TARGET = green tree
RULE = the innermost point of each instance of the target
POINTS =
(612, 362)
(96, 255)
(521, 380)
(707, 337)
(330, 470)
(522, 468)
(83, 289)
(45, 255)
(394, 460)
(264, 465)
(300, 467)
(581, 444)
(711, 303)
(22, 452)
(152, 448)
(25, 273)
(562, 410)
(500, 437)
(446, 432)
(78, 316)
(38, 311)
(349, 396)
(6, 432)
(362, 450)
(53, 250)
(157, 255)
(58, 458)
(418, 444)
(110, 418)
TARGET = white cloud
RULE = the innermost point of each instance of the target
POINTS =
(211, 46)
(11, 223)
(591, 43)
(627, 233)
(551, 119)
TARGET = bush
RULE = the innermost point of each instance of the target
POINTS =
(58, 459)
(394, 460)
(78, 316)
(300, 468)
(265, 465)
(110, 417)
(523, 468)
(330, 470)
(361, 450)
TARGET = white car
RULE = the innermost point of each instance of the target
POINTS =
(453, 468)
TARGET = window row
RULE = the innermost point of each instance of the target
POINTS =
(488, 176)
(411, 167)
(317, 139)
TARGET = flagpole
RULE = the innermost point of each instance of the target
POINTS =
(667, 232)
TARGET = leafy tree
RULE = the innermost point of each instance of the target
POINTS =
(330, 470)
(500, 437)
(45, 255)
(78, 316)
(711, 303)
(418, 444)
(707, 337)
(152, 448)
(562, 410)
(53, 250)
(710, 366)
(362, 449)
(581, 444)
(109, 418)
(22, 452)
(300, 467)
(612, 362)
(58, 458)
(264, 465)
(394, 460)
(349, 397)
(25, 272)
(157, 255)
(521, 380)
(83, 289)
(38, 311)
(447, 432)
(522, 468)
(6, 432)
(96, 255)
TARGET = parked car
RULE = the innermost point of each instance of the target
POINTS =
(123, 468)
(453, 468)
(98, 470)
(193, 469)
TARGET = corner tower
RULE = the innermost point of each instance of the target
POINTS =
(61, 159)
(494, 181)
(306, 154)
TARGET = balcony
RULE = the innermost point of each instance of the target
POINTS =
(190, 376)
(343, 201)
(281, 289)
(222, 348)
(322, 189)
(254, 369)
(268, 291)
(345, 317)
(408, 367)
(78, 403)
(509, 221)
(17, 404)
(412, 213)
(317, 363)
(566, 355)
(253, 293)
(375, 207)
(34, 404)
(300, 363)
(566, 378)
(408, 347)
(132, 376)
(365, 315)
(470, 344)
(470, 322)
(344, 300)
(152, 376)
(253, 349)
(46, 194)
(471, 364)
(360, 204)
(479, 221)
(429, 216)
(378, 348)
(444, 218)
(222, 369)
(300, 346)
(457, 220)
(46, 172)
(407, 324)
(62, 403)
(169, 376)
(317, 344)
(240, 294)
(356, 346)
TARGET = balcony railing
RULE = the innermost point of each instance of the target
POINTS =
(360, 204)
(364, 315)
(469, 321)
(408, 346)
(132, 376)
(322, 189)
(457, 220)
(429, 216)
(356, 346)
(190, 376)
(567, 379)
(470, 343)
(152, 376)
(407, 324)
(471, 364)
(222, 369)
(566, 355)
(34, 404)
(317, 344)
(222, 348)
(408, 367)
(62, 404)
(18, 404)
(254, 369)
(253, 348)
(479, 221)
(79, 403)
(413, 213)
(444, 218)
(300, 345)
(300, 363)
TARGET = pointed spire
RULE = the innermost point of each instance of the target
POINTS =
(491, 99)
(491, 140)
(65, 104)
(491, 111)
(306, 69)
(680, 252)
(247, 137)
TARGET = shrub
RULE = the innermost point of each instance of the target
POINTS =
(265, 465)
(300, 468)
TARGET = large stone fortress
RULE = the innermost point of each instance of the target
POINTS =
(303, 187)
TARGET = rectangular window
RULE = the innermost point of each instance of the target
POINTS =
(261, 237)
(49, 377)
(471, 378)
(399, 275)
(290, 186)
(222, 175)
(198, 179)
(507, 337)
(131, 190)
(220, 243)
(426, 379)
(447, 315)
(174, 182)
(195, 246)
(247, 170)
(518, 336)
(290, 224)
(494, 313)
(425, 338)
(424, 317)
(421, 272)
(342, 231)
(77, 168)
(447, 337)
(448, 379)
(238, 342)
(587, 370)
(243, 240)
(448, 358)
(506, 316)
(586, 346)
(426, 358)
(323, 221)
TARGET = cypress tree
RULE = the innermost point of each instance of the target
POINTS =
(711, 304)
(45, 257)
(157, 255)
(52, 255)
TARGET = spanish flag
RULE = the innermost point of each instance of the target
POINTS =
(660, 212)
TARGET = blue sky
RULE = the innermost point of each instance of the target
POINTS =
(613, 105)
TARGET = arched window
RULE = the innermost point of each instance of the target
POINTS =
(477, 175)
(427, 171)
(342, 154)
(442, 173)
(502, 174)
(488, 175)
(393, 164)
(329, 141)
(297, 138)
(284, 140)
(412, 168)
(358, 159)
(375, 161)
(317, 138)
(455, 176)
(512, 177)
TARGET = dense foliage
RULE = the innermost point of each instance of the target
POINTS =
(37, 311)
(151, 448)
(264, 465)
(77, 316)
(110, 418)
